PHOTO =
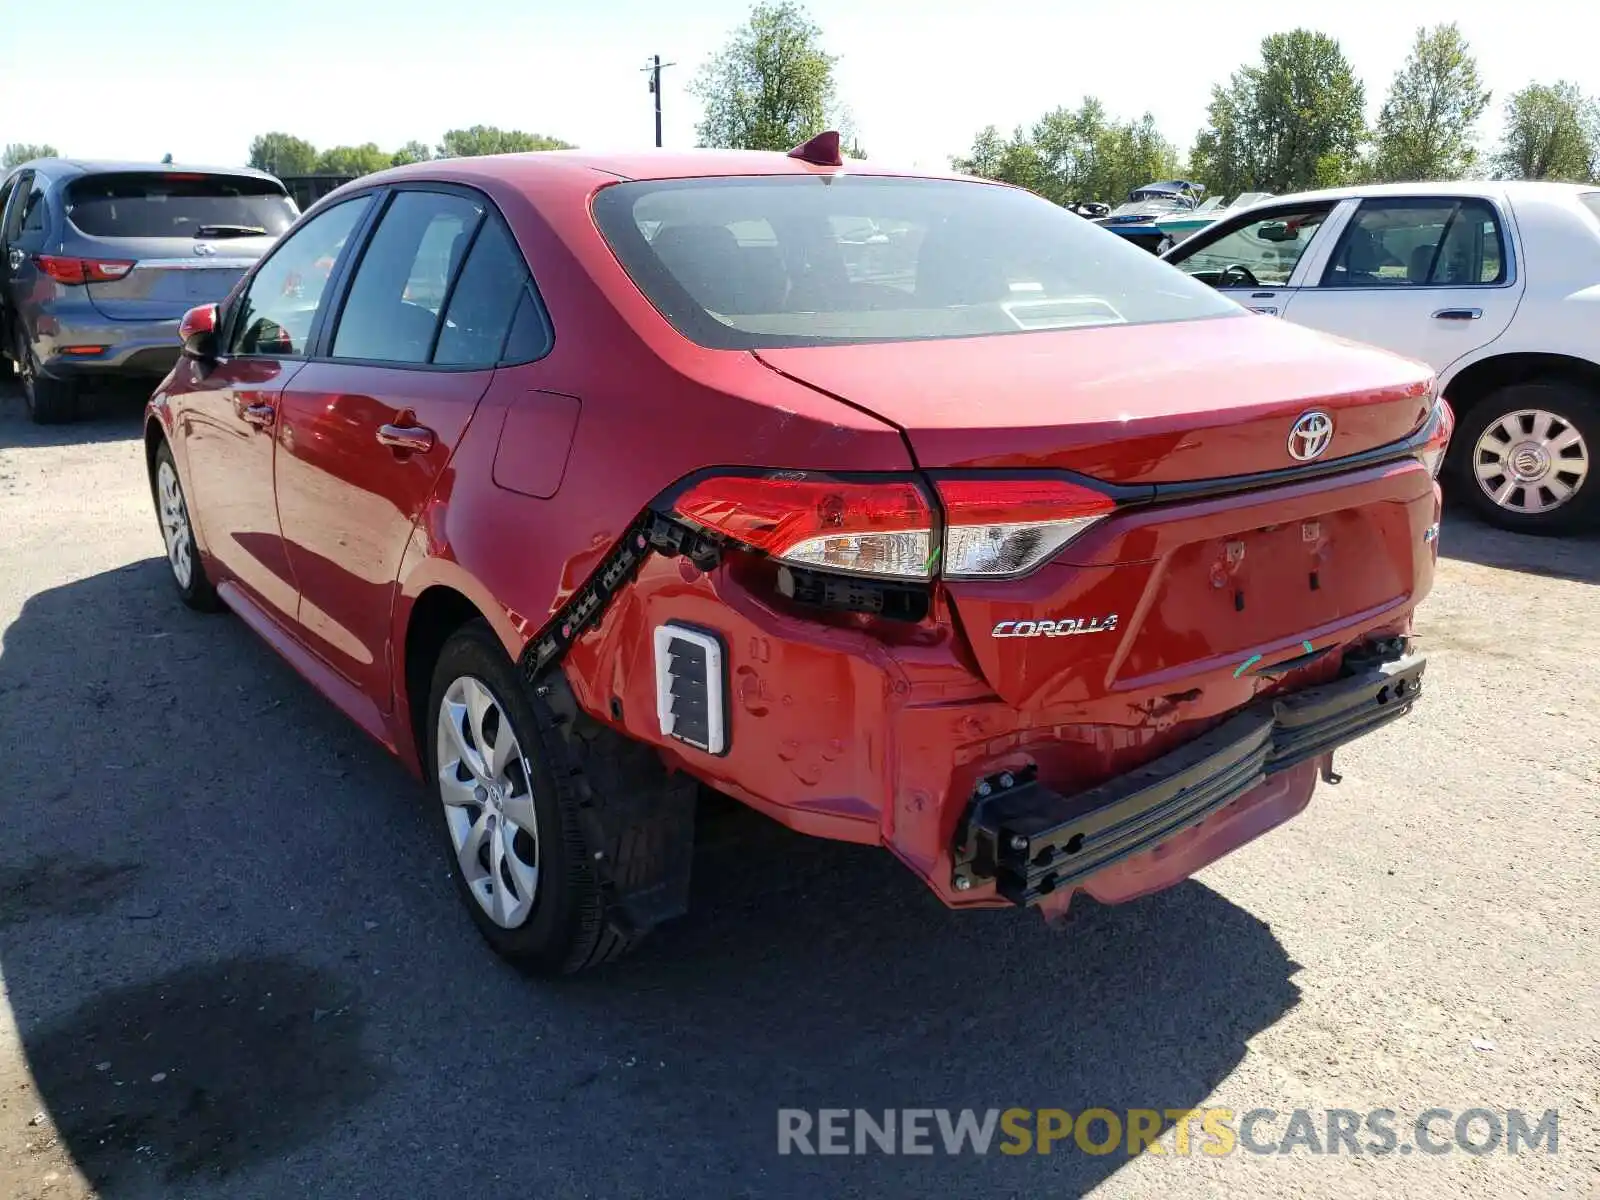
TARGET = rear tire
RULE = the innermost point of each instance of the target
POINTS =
(1529, 458)
(49, 401)
(556, 924)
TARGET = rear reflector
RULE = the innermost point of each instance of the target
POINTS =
(83, 351)
(1001, 528)
(82, 270)
(689, 687)
(879, 528)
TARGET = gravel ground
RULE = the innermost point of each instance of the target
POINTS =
(233, 964)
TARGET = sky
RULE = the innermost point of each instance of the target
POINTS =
(147, 77)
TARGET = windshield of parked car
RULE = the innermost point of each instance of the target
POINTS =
(178, 204)
(752, 262)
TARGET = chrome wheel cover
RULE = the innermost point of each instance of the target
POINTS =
(1531, 461)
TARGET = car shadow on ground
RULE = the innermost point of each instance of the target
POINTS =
(109, 413)
(238, 967)
(1575, 556)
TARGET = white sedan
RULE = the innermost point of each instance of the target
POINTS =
(1495, 285)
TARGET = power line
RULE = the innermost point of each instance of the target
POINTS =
(655, 68)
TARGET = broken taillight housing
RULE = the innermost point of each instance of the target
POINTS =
(1001, 528)
(1441, 424)
(991, 528)
(882, 528)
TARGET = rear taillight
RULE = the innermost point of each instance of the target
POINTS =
(878, 528)
(1441, 424)
(1000, 528)
(992, 528)
(82, 270)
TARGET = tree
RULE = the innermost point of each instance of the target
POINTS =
(486, 139)
(283, 155)
(1080, 154)
(771, 87)
(1552, 131)
(17, 153)
(411, 152)
(1295, 121)
(353, 160)
(1426, 129)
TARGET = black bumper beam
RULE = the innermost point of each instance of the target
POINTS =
(1033, 841)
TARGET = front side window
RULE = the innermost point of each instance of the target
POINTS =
(1263, 252)
(278, 309)
(1419, 242)
(400, 285)
(751, 262)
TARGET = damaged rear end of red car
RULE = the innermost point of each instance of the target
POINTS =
(1139, 578)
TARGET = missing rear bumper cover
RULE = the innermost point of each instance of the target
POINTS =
(1033, 841)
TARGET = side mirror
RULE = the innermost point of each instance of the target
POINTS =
(198, 332)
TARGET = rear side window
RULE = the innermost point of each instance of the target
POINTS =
(392, 311)
(484, 301)
(153, 204)
(1422, 242)
(744, 263)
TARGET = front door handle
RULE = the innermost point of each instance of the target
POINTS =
(415, 439)
(1458, 314)
(259, 415)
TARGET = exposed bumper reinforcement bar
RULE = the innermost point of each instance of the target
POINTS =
(1033, 841)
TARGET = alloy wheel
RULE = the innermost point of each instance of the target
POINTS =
(485, 785)
(1530, 461)
(175, 525)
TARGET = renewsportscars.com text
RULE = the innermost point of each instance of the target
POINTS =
(1209, 1131)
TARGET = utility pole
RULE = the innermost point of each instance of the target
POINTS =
(655, 89)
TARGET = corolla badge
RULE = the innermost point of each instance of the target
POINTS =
(204, 248)
(1065, 627)
(1309, 436)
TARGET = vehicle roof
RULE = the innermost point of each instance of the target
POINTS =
(581, 166)
(94, 166)
(1510, 188)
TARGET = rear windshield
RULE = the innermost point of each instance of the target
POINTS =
(151, 204)
(752, 262)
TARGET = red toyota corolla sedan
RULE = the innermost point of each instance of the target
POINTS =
(911, 511)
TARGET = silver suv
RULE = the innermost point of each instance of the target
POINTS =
(99, 261)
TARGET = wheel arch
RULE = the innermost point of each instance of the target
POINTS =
(440, 599)
(1477, 381)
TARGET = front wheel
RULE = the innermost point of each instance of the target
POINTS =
(177, 533)
(1527, 458)
(505, 784)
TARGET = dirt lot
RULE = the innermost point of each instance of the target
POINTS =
(233, 966)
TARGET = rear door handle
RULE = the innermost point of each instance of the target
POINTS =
(259, 415)
(1458, 314)
(413, 438)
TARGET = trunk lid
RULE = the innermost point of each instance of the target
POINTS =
(163, 284)
(1128, 404)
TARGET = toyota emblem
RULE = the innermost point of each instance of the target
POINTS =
(1310, 435)
(204, 248)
